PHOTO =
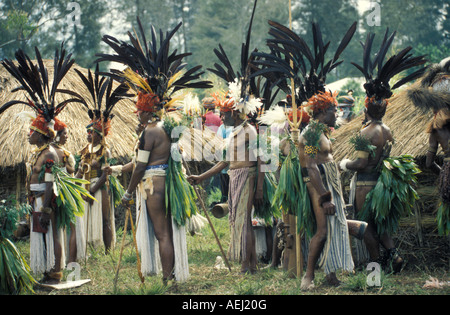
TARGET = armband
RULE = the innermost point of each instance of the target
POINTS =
(46, 210)
(343, 164)
(143, 156)
(362, 154)
(116, 170)
(48, 177)
(71, 160)
(326, 197)
(127, 196)
(432, 150)
(311, 150)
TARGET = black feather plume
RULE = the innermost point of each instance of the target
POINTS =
(378, 73)
(152, 61)
(309, 68)
(102, 98)
(34, 81)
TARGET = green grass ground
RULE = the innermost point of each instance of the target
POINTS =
(206, 280)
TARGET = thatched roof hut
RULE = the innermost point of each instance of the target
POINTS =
(407, 123)
(14, 145)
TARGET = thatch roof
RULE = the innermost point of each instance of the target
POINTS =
(14, 146)
(407, 123)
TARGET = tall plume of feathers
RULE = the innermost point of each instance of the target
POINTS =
(378, 73)
(101, 94)
(309, 67)
(151, 66)
(34, 81)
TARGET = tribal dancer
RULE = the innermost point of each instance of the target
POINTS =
(373, 145)
(50, 213)
(165, 200)
(245, 189)
(433, 94)
(67, 162)
(95, 157)
(320, 207)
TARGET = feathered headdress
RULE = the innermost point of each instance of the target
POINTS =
(278, 116)
(40, 93)
(101, 95)
(377, 85)
(433, 93)
(291, 59)
(153, 74)
(242, 88)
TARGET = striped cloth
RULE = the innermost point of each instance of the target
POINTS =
(337, 254)
(238, 195)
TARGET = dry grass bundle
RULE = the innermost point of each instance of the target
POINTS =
(13, 133)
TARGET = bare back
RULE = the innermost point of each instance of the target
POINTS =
(378, 135)
(156, 140)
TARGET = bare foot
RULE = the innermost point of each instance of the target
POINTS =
(332, 279)
(307, 283)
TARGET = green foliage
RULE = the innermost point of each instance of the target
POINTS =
(361, 143)
(68, 191)
(292, 195)
(116, 189)
(15, 274)
(312, 135)
(268, 210)
(358, 282)
(443, 218)
(393, 196)
(214, 196)
(10, 215)
(180, 196)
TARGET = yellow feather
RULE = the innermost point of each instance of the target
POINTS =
(175, 77)
(137, 80)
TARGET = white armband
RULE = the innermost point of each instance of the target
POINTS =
(116, 170)
(143, 156)
(49, 178)
(71, 160)
(343, 164)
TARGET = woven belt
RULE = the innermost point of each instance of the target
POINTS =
(366, 183)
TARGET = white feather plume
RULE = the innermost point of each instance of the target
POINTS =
(246, 106)
(275, 116)
(26, 116)
(191, 104)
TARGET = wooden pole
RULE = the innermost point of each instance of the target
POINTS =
(296, 124)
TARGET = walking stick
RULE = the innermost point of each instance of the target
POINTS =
(296, 131)
(128, 215)
(207, 217)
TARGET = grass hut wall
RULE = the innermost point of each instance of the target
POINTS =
(14, 145)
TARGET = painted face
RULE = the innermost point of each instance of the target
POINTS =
(63, 136)
(330, 116)
(143, 117)
(34, 137)
(93, 137)
(228, 119)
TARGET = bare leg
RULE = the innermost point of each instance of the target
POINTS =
(370, 237)
(163, 226)
(55, 275)
(106, 215)
(249, 264)
(317, 243)
(72, 244)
